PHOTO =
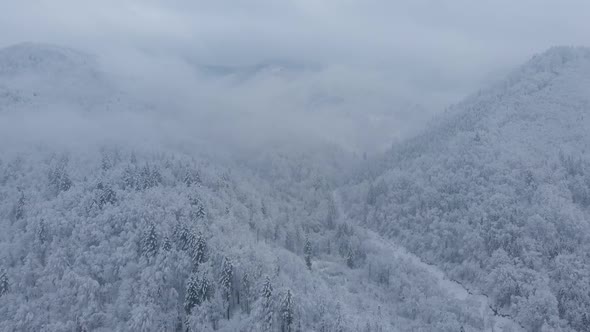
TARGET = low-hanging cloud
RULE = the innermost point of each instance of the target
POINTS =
(365, 72)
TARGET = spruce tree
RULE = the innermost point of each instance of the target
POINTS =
(307, 250)
(246, 290)
(191, 177)
(201, 214)
(350, 258)
(4, 286)
(130, 178)
(167, 245)
(19, 209)
(199, 255)
(287, 312)
(150, 242)
(183, 237)
(42, 232)
(191, 298)
(198, 290)
(267, 305)
(225, 282)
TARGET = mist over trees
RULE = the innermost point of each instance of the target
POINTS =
(259, 197)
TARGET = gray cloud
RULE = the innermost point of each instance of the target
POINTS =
(378, 59)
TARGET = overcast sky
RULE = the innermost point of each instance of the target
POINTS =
(433, 52)
(455, 40)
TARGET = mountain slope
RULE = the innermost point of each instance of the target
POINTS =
(497, 192)
(128, 234)
(43, 77)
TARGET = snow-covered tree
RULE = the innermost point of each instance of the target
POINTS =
(198, 290)
(307, 251)
(105, 195)
(226, 284)
(267, 305)
(19, 208)
(4, 285)
(246, 292)
(167, 243)
(199, 251)
(287, 312)
(59, 180)
(150, 243)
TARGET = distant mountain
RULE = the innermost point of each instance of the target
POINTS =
(497, 192)
(282, 68)
(43, 59)
(37, 77)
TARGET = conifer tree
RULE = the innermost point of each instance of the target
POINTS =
(19, 209)
(267, 305)
(287, 312)
(246, 290)
(167, 244)
(42, 232)
(192, 293)
(199, 255)
(130, 178)
(350, 258)
(198, 290)
(59, 180)
(307, 250)
(226, 283)
(201, 214)
(183, 237)
(150, 241)
(191, 177)
(4, 286)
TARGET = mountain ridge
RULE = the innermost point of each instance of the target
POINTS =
(499, 188)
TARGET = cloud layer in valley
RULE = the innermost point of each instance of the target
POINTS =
(357, 73)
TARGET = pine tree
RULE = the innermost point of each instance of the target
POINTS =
(226, 283)
(199, 209)
(287, 312)
(198, 290)
(149, 177)
(191, 298)
(59, 179)
(307, 250)
(350, 258)
(130, 178)
(4, 286)
(201, 214)
(19, 209)
(267, 305)
(106, 195)
(246, 291)
(42, 232)
(183, 237)
(167, 245)
(106, 162)
(339, 319)
(332, 215)
(150, 242)
(191, 177)
(199, 255)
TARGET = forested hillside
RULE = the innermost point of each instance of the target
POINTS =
(113, 226)
(114, 219)
(497, 192)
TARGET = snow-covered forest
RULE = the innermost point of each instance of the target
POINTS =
(478, 223)
(163, 195)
